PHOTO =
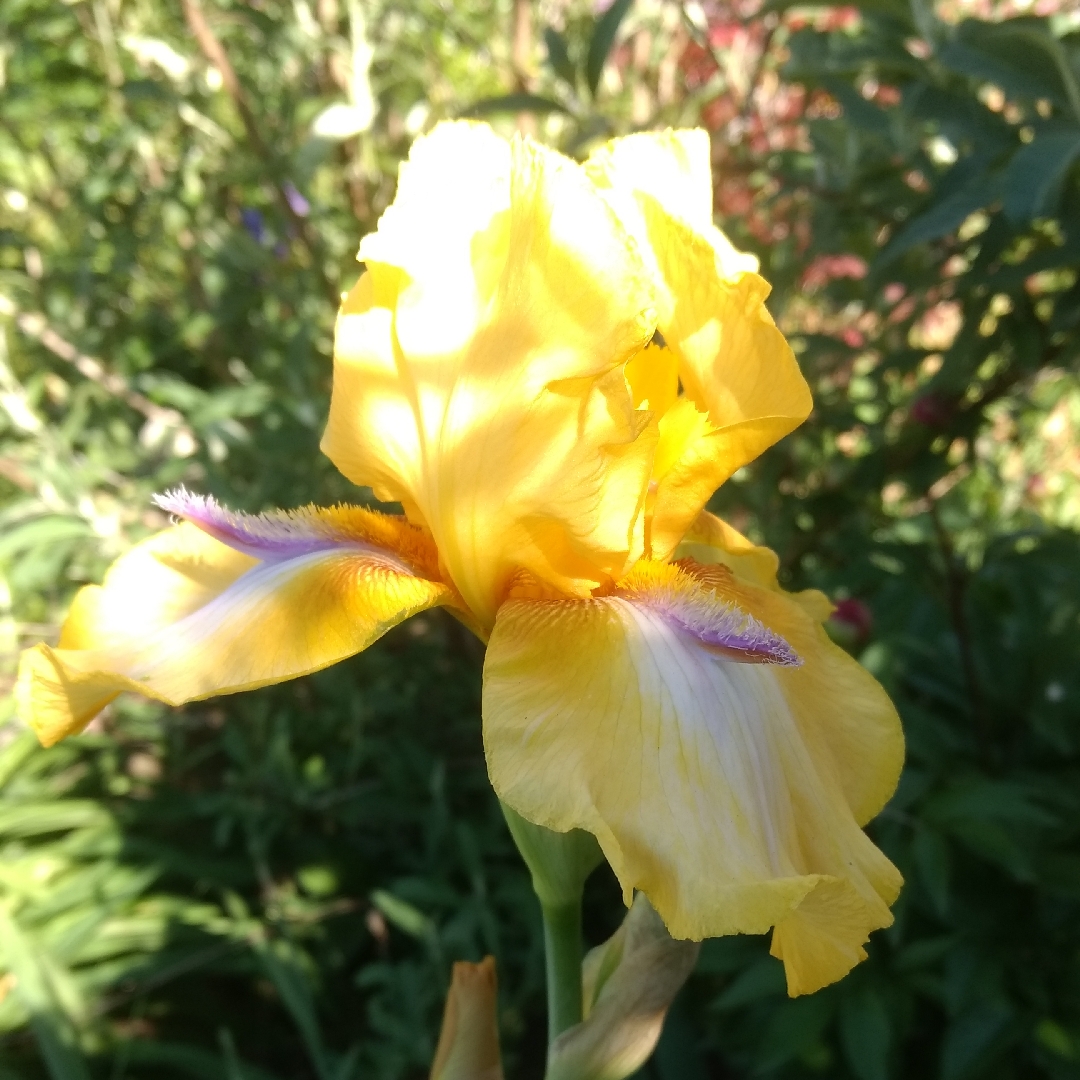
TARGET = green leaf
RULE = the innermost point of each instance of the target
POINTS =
(16, 754)
(1012, 275)
(603, 37)
(996, 819)
(559, 57)
(924, 953)
(191, 1060)
(41, 531)
(795, 1025)
(969, 1038)
(403, 915)
(37, 818)
(895, 9)
(678, 1056)
(941, 218)
(291, 982)
(514, 103)
(865, 1033)
(1033, 180)
(858, 112)
(961, 117)
(234, 1069)
(763, 980)
(931, 853)
(345, 1069)
(1019, 55)
(52, 1029)
(975, 798)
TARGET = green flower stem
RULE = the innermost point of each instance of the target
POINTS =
(562, 953)
(559, 863)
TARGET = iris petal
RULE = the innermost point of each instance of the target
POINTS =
(479, 367)
(837, 703)
(184, 616)
(691, 768)
(674, 170)
(735, 366)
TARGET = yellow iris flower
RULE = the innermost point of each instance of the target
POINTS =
(552, 366)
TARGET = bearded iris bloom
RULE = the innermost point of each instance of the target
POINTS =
(551, 367)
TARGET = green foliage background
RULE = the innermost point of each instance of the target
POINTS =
(274, 885)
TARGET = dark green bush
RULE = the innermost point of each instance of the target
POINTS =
(275, 884)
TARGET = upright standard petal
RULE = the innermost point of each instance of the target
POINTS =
(225, 602)
(743, 388)
(673, 168)
(663, 718)
(479, 367)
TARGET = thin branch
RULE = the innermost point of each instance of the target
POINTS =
(521, 44)
(15, 474)
(215, 53)
(34, 325)
(772, 24)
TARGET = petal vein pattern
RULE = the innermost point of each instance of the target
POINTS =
(184, 616)
(838, 705)
(688, 766)
(478, 367)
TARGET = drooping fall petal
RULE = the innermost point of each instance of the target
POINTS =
(866, 729)
(665, 719)
(225, 602)
(479, 367)
(737, 370)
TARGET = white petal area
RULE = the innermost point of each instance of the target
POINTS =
(843, 712)
(690, 770)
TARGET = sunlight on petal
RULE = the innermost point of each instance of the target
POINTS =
(184, 616)
(478, 367)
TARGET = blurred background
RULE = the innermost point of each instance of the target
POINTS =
(273, 886)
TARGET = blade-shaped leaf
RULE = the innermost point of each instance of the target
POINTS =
(514, 103)
(559, 57)
(969, 1038)
(865, 1034)
(291, 982)
(603, 37)
(941, 218)
(1034, 177)
(185, 1060)
(52, 1029)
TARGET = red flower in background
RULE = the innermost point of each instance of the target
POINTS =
(851, 623)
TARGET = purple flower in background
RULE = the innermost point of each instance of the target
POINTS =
(299, 205)
(253, 221)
